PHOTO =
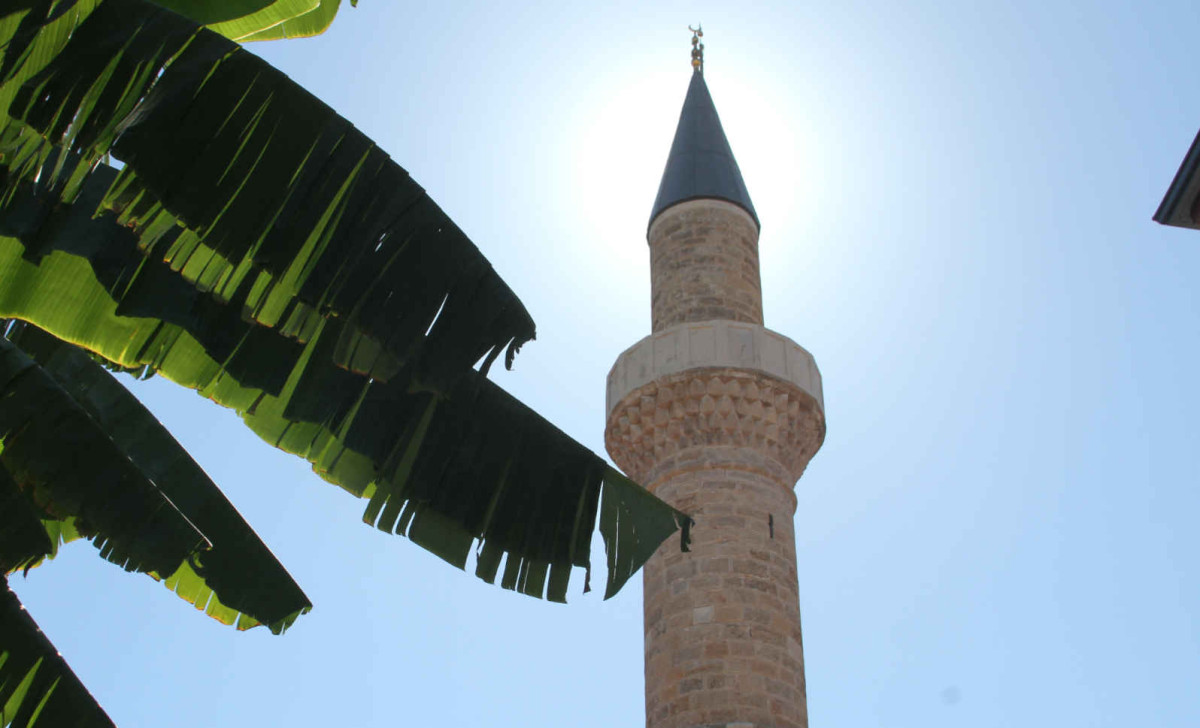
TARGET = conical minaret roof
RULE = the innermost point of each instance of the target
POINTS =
(701, 164)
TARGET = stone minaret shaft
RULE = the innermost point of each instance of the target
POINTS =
(718, 416)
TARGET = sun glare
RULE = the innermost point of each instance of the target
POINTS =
(622, 149)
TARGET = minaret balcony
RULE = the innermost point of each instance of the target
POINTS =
(714, 387)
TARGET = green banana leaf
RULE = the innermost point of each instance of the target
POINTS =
(255, 191)
(237, 580)
(23, 540)
(287, 238)
(246, 20)
(43, 222)
(68, 467)
(518, 483)
(210, 12)
(59, 532)
(312, 23)
(321, 294)
(359, 431)
(36, 685)
(31, 35)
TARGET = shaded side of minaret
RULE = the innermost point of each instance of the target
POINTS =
(701, 163)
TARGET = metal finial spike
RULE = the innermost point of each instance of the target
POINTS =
(697, 48)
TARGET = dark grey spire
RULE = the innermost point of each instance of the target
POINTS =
(701, 164)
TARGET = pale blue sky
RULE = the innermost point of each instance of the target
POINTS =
(955, 199)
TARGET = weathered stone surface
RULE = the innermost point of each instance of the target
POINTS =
(727, 648)
(675, 423)
(704, 264)
(712, 344)
(722, 622)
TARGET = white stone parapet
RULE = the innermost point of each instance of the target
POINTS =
(725, 344)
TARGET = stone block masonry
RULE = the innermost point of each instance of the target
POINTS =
(722, 623)
(704, 264)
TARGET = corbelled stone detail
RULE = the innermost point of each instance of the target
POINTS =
(656, 426)
(708, 344)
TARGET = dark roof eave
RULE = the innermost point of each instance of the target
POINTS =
(1178, 204)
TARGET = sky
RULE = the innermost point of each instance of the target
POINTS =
(955, 201)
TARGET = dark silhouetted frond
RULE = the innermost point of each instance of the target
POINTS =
(36, 686)
(237, 579)
(258, 248)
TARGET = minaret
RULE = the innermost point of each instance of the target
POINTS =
(718, 416)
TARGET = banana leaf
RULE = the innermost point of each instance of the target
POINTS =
(245, 20)
(541, 486)
(314, 22)
(255, 355)
(479, 467)
(236, 580)
(36, 685)
(255, 191)
(23, 540)
(31, 35)
(321, 294)
(517, 483)
(339, 231)
(210, 12)
(68, 467)
(59, 531)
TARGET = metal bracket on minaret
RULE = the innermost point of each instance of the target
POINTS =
(697, 48)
